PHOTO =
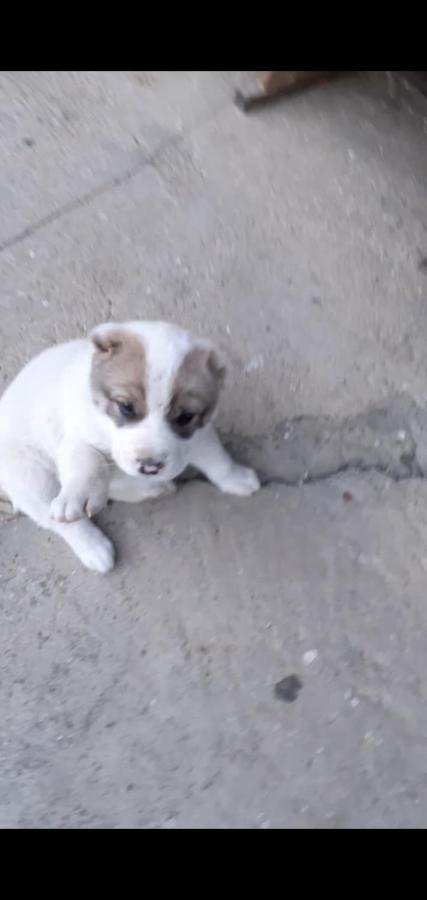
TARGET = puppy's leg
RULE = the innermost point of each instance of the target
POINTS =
(128, 489)
(210, 457)
(84, 474)
(31, 484)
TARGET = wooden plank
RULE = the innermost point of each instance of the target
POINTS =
(285, 81)
(278, 83)
(418, 79)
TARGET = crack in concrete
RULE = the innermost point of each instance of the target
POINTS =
(357, 468)
(390, 440)
(149, 159)
(76, 203)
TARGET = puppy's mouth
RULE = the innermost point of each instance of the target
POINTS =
(151, 468)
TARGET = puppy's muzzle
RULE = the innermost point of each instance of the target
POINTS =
(150, 466)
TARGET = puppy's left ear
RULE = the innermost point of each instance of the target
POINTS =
(106, 338)
(217, 366)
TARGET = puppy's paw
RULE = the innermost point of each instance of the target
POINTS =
(241, 481)
(68, 507)
(65, 508)
(97, 553)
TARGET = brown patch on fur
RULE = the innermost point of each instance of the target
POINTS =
(195, 392)
(118, 375)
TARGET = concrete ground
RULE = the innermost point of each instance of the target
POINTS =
(296, 237)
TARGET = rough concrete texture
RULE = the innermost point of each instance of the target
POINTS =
(295, 237)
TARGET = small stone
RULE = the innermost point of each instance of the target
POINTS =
(354, 702)
(288, 688)
(347, 496)
(309, 657)
(257, 362)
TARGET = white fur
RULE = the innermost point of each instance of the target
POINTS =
(61, 458)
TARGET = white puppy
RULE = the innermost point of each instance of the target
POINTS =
(117, 416)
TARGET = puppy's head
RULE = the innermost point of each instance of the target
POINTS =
(158, 385)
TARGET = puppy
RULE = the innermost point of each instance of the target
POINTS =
(116, 416)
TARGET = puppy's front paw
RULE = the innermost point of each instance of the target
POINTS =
(98, 553)
(68, 507)
(65, 508)
(241, 481)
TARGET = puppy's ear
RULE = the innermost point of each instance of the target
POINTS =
(107, 339)
(216, 365)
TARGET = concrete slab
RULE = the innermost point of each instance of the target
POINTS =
(147, 699)
(67, 134)
(295, 237)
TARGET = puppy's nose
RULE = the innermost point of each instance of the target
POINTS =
(150, 466)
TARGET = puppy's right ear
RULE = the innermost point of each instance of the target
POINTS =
(106, 339)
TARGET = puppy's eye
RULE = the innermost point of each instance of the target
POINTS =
(127, 410)
(184, 418)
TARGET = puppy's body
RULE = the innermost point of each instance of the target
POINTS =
(117, 416)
